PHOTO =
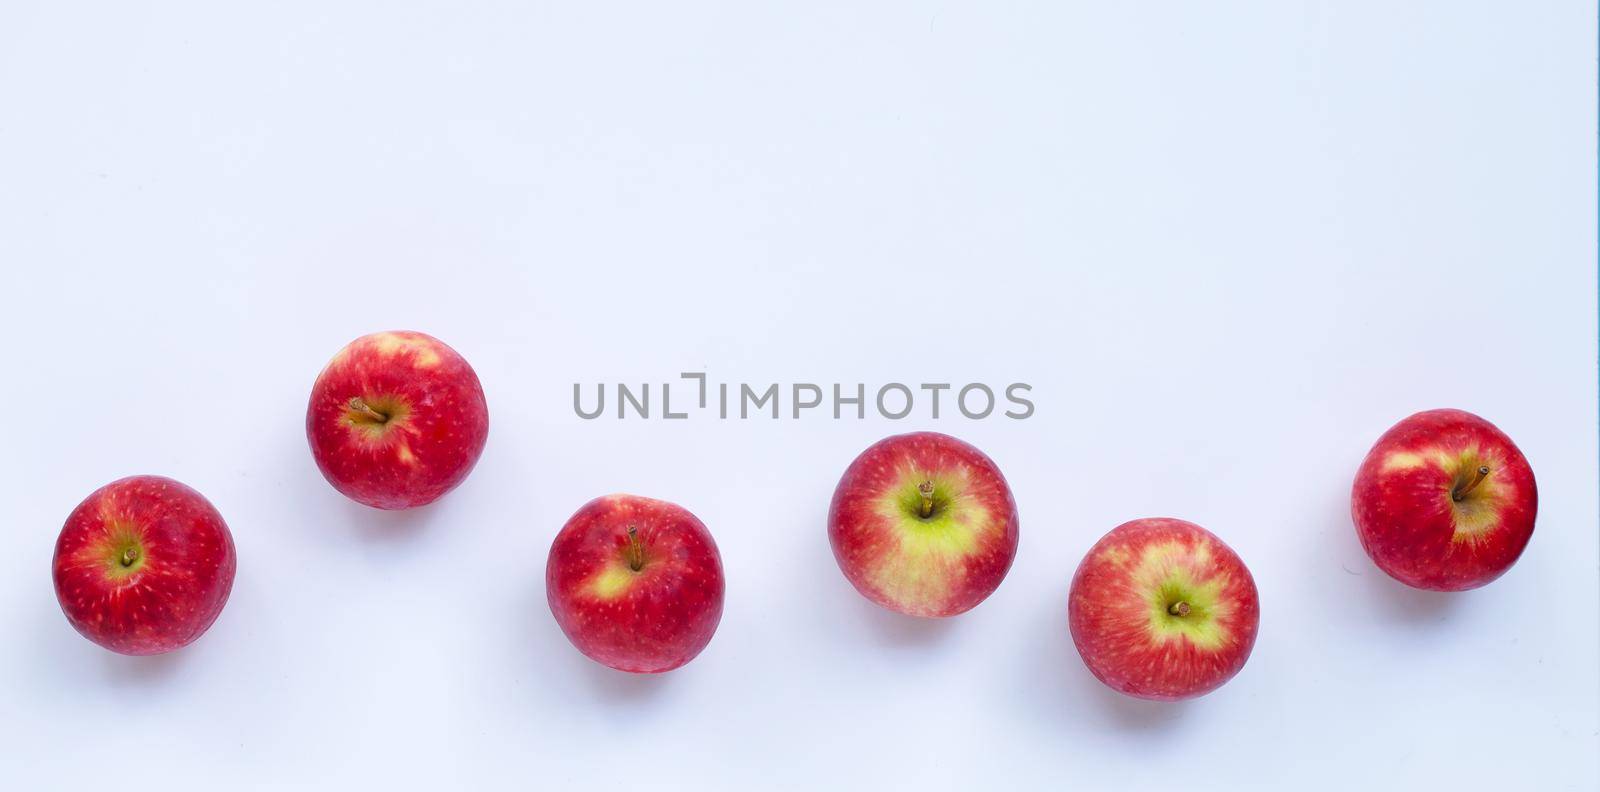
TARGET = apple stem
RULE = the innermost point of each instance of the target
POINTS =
(1179, 608)
(635, 549)
(362, 407)
(925, 489)
(1479, 475)
(129, 556)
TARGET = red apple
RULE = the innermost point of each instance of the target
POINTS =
(1162, 609)
(396, 420)
(635, 583)
(1444, 501)
(143, 565)
(923, 524)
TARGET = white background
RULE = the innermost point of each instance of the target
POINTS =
(1227, 243)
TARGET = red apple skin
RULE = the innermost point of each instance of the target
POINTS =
(1161, 609)
(1411, 524)
(643, 620)
(143, 565)
(426, 428)
(935, 566)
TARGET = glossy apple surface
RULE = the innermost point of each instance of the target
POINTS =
(1162, 609)
(396, 420)
(143, 565)
(635, 583)
(923, 524)
(1444, 501)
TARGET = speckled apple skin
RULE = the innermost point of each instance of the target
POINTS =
(648, 621)
(885, 555)
(1115, 610)
(1409, 524)
(185, 573)
(422, 455)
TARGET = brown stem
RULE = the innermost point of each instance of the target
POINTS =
(1478, 476)
(925, 489)
(129, 556)
(635, 550)
(362, 407)
(1179, 608)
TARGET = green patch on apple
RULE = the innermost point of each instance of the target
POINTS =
(124, 551)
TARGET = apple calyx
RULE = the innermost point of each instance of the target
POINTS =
(360, 407)
(635, 549)
(1461, 490)
(925, 489)
(1179, 608)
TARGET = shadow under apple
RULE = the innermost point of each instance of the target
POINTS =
(1376, 593)
(1060, 689)
(148, 671)
(897, 630)
(380, 525)
(620, 687)
(836, 600)
(548, 648)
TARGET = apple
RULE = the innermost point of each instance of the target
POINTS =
(143, 565)
(1444, 501)
(396, 420)
(635, 583)
(1161, 609)
(923, 524)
